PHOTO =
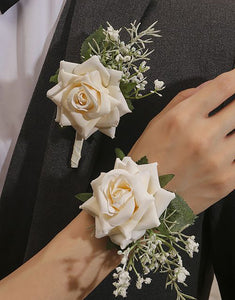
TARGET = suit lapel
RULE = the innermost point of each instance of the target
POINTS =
(38, 196)
(20, 189)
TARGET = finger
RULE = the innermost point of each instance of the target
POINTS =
(214, 93)
(202, 85)
(228, 149)
(231, 145)
(183, 95)
(225, 119)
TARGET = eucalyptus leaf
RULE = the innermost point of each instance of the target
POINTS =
(54, 78)
(99, 38)
(177, 217)
(119, 153)
(142, 161)
(84, 196)
(164, 179)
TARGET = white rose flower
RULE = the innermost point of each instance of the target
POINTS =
(127, 201)
(88, 97)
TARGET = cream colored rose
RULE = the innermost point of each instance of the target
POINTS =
(127, 201)
(88, 97)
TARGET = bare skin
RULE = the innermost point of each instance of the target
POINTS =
(190, 144)
(68, 268)
(198, 149)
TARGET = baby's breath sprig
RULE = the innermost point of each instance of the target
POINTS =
(156, 251)
(129, 57)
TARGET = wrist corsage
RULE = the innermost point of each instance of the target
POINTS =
(94, 95)
(144, 221)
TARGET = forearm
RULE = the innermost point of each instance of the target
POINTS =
(68, 268)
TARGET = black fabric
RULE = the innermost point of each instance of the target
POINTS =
(6, 4)
(20, 190)
(38, 198)
(222, 239)
(58, 182)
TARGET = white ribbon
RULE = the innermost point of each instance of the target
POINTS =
(77, 149)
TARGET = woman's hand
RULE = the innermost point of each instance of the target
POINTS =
(197, 148)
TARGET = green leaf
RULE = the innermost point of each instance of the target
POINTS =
(126, 88)
(110, 245)
(84, 196)
(164, 179)
(98, 36)
(142, 161)
(177, 217)
(119, 153)
(54, 78)
(129, 104)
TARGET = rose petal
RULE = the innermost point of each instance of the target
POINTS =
(137, 234)
(124, 214)
(154, 183)
(103, 103)
(162, 200)
(66, 78)
(115, 77)
(149, 220)
(93, 64)
(120, 240)
(128, 227)
(101, 228)
(59, 98)
(145, 179)
(64, 120)
(91, 206)
(83, 127)
(116, 93)
(108, 131)
(110, 120)
(67, 66)
(99, 185)
(99, 233)
(126, 164)
(53, 92)
(105, 225)
(95, 80)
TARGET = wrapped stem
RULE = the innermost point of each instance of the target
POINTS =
(77, 149)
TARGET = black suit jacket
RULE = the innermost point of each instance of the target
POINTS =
(38, 198)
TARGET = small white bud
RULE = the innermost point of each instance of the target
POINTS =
(158, 84)
(126, 58)
(118, 58)
(113, 34)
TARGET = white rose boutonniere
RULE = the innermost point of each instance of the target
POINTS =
(88, 97)
(94, 95)
(127, 201)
